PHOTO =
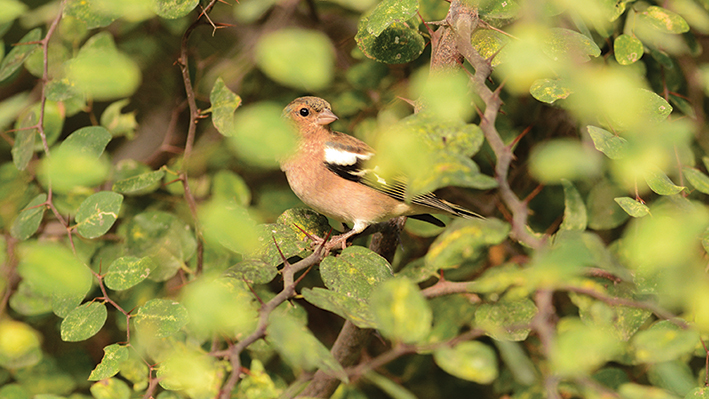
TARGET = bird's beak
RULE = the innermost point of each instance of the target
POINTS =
(326, 117)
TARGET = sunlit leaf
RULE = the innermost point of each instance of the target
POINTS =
(660, 183)
(97, 213)
(662, 342)
(554, 160)
(84, 322)
(127, 271)
(161, 317)
(549, 90)
(575, 216)
(627, 49)
(298, 58)
(117, 123)
(664, 20)
(27, 222)
(388, 12)
(697, 179)
(567, 44)
(472, 361)
(14, 59)
(172, 9)
(392, 304)
(397, 44)
(608, 143)
(224, 103)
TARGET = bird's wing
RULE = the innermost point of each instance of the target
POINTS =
(346, 159)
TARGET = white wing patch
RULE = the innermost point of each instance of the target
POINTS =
(337, 156)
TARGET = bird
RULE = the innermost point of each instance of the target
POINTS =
(328, 172)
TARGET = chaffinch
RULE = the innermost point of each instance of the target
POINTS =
(327, 173)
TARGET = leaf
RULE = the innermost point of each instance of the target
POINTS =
(117, 123)
(567, 44)
(127, 271)
(490, 44)
(471, 361)
(84, 322)
(697, 179)
(111, 388)
(28, 221)
(507, 320)
(19, 53)
(113, 356)
(575, 216)
(393, 303)
(91, 140)
(655, 108)
(161, 317)
(388, 12)
(579, 349)
(231, 187)
(388, 386)
(88, 12)
(249, 140)
(397, 44)
(356, 272)
(11, 10)
(103, 73)
(167, 240)
(352, 309)
(627, 49)
(608, 143)
(224, 104)
(663, 341)
(299, 347)
(464, 240)
(23, 148)
(602, 215)
(660, 183)
(632, 207)
(230, 225)
(173, 9)
(141, 184)
(549, 90)
(297, 58)
(25, 348)
(221, 306)
(52, 269)
(97, 213)
(558, 159)
(664, 20)
(11, 108)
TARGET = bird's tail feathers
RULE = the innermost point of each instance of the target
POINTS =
(462, 212)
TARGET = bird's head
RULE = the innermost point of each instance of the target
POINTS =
(309, 112)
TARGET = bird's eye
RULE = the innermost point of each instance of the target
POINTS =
(304, 112)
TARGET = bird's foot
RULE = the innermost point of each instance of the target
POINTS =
(329, 242)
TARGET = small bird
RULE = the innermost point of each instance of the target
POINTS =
(327, 172)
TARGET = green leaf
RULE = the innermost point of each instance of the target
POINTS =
(52, 269)
(249, 141)
(28, 221)
(352, 309)
(388, 386)
(490, 44)
(113, 356)
(28, 119)
(697, 179)
(173, 9)
(221, 306)
(698, 393)
(167, 240)
(579, 349)
(660, 183)
(161, 317)
(91, 140)
(465, 240)
(104, 73)
(549, 90)
(230, 225)
(117, 123)
(565, 44)
(111, 388)
(141, 184)
(299, 347)
(507, 320)
(356, 272)
(397, 44)
(224, 104)
(84, 322)
(231, 187)
(11, 9)
(575, 216)
(674, 376)
(23, 148)
(602, 215)
(558, 159)
(88, 12)
(297, 58)
(97, 213)
(127, 271)
(663, 341)
(393, 303)
(636, 391)
(471, 361)
(11, 108)
(632, 207)
(627, 49)
(608, 143)
(664, 20)
(23, 347)
(388, 12)
(191, 371)
(19, 53)
(71, 168)
(655, 108)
